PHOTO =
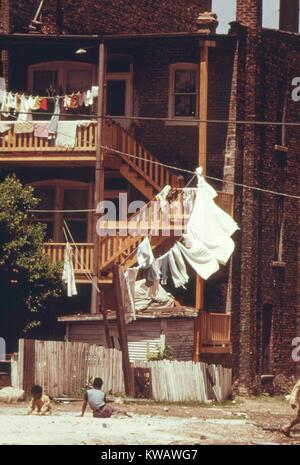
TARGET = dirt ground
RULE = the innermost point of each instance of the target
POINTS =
(244, 421)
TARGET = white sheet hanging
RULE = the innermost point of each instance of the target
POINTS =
(200, 259)
(209, 226)
(68, 275)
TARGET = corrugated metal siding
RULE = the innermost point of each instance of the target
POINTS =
(144, 337)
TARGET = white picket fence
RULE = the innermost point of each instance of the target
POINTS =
(174, 381)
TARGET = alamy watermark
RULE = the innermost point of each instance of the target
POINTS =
(296, 350)
(137, 218)
(296, 90)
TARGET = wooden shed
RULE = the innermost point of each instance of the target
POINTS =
(152, 332)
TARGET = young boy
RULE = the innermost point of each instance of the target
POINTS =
(40, 403)
(95, 397)
(295, 403)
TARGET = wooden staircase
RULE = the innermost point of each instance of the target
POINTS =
(141, 168)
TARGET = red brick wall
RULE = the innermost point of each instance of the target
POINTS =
(249, 13)
(264, 60)
(113, 16)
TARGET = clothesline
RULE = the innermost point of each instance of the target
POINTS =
(181, 120)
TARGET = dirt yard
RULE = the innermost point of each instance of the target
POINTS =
(251, 421)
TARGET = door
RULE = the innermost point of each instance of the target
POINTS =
(119, 97)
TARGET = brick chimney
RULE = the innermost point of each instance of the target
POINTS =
(289, 15)
(249, 13)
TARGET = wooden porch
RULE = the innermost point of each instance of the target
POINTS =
(215, 332)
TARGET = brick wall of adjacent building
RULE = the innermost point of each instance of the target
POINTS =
(265, 58)
(111, 16)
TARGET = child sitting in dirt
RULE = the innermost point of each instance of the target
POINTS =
(295, 404)
(95, 397)
(40, 403)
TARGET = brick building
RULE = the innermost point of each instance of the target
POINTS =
(250, 74)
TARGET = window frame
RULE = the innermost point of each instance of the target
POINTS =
(177, 120)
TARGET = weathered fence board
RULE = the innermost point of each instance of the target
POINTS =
(174, 381)
(64, 368)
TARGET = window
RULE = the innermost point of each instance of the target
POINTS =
(64, 195)
(183, 92)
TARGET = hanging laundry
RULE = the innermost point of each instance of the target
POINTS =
(74, 102)
(44, 104)
(179, 279)
(146, 261)
(68, 272)
(210, 226)
(146, 296)
(162, 197)
(4, 106)
(11, 101)
(163, 263)
(53, 125)
(35, 103)
(81, 99)
(180, 263)
(88, 98)
(188, 201)
(4, 127)
(2, 89)
(41, 129)
(66, 134)
(200, 259)
(67, 101)
(25, 111)
(130, 278)
(24, 127)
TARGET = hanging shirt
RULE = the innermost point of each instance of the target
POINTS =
(163, 263)
(53, 125)
(178, 279)
(146, 261)
(25, 110)
(68, 272)
(180, 263)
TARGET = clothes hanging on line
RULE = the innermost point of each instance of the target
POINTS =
(5, 127)
(146, 261)
(66, 134)
(25, 110)
(130, 278)
(146, 296)
(53, 125)
(162, 197)
(23, 127)
(210, 225)
(178, 279)
(163, 263)
(68, 275)
(180, 263)
(200, 259)
(41, 129)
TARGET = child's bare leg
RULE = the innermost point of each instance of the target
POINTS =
(287, 429)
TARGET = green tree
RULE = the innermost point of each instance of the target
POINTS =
(28, 281)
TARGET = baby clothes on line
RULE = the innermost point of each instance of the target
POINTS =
(24, 127)
(41, 129)
(25, 110)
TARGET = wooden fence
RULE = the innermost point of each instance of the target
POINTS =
(64, 368)
(172, 381)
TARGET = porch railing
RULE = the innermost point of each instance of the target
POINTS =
(215, 329)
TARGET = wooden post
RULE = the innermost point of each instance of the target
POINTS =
(202, 155)
(99, 179)
(127, 370)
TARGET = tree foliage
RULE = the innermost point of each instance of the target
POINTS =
(28, 281)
